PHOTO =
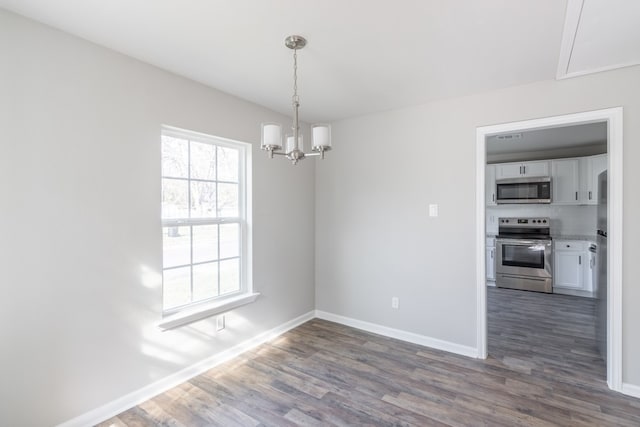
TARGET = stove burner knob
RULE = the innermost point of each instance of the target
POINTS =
(545, 221)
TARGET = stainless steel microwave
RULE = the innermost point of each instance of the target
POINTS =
(523, 190)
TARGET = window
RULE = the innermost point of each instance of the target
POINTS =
(204, 219)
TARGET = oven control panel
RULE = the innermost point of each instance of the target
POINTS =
(524, 222)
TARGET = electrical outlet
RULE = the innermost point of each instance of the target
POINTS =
(433, 210)
(395, 302)
(220, 322)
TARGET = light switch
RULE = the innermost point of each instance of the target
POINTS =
(433, 210)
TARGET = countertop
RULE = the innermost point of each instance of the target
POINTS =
(582, 237)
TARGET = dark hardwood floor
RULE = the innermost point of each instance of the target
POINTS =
(543, 370)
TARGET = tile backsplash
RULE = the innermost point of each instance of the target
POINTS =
(565, 220)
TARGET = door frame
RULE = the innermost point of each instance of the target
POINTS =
(613, 118)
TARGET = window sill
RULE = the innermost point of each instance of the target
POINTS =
(202, 312)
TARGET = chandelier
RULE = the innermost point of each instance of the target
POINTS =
(272, 132)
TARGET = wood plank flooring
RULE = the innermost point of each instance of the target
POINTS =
(543, 370)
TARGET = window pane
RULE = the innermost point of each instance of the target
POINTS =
(203, 200)
(229, 240)
(205, 243)
(205, 281)
(228, 200)
(175, 157)
(175, 196)
(229, 276)
(203, 161)
(176, 287)
(228, 164)
(176, 246)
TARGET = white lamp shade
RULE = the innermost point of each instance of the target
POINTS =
(271, 135)
(321, 135)
(291, 144)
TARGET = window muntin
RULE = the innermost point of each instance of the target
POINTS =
(203, 219)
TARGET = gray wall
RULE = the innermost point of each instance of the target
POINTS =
(374, 239)
(81, 248)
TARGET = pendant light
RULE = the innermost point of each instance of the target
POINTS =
(272, 132)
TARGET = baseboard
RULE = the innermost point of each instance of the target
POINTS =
(400, 334)
(130, 400)
(631, 390)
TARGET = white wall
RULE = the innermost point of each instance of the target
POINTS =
(80, 214)
(374, 239)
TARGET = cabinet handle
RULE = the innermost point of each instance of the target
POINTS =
(524, 170)
(580, 259)
(589, 195)
(576, 195)
(520, 170)
(492, 253)
(493, 197)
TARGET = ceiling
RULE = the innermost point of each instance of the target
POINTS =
(362, 56)
(548, 139)
(599, 35)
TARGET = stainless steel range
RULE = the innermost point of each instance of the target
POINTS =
(524, 254)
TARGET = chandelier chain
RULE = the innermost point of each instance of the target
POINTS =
(295, 97)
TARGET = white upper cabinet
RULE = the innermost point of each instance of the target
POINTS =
(565, 181)
(590, 168)
(535, 169)
(490, 185)
(522, 169)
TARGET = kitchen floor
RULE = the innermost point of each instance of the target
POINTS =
(550, 333)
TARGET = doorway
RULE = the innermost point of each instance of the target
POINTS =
(613, 119)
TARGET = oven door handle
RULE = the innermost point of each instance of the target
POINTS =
(515, 242)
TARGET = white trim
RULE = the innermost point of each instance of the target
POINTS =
(613, 116)
(598, 70)
(481, 274)
(130, 400)
(571, 22)
(202, 311)
(631, 390)
(399, 334)
(614, 245)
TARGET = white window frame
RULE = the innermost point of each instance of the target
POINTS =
(197, 310)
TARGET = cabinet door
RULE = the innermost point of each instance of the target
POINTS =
(597, 165)
(569, 270)
(565, 181)
(530, 169)
(509, 170)
(490, 185)
(491, 263)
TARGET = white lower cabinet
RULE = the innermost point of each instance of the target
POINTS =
(573, 268)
